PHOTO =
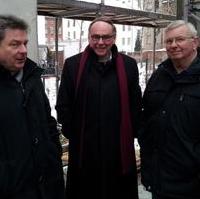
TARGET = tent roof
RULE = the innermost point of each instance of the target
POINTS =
(80, 10)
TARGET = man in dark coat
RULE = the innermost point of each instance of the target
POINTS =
(170, 138)
(98, 106)
(30, 151)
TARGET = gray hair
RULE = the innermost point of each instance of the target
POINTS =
(106, 20)
(11, 22)
(175, 24)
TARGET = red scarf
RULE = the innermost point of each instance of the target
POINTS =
(126, 132)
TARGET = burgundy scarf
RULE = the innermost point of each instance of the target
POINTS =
(126, 133)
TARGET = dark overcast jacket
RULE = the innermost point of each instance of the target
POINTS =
(30, 161)
(100, 169)
(170, 136)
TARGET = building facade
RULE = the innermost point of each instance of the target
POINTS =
(153, 38)
(73, 34)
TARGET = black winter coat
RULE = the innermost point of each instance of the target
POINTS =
(170, 137)
(99, 175)
(30, 151)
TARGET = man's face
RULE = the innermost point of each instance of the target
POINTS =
(13, 49)
(101, 38)
(180, 44)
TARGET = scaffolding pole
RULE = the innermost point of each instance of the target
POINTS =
(182, 9)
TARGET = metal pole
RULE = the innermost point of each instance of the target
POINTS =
(179, 9)
(56, 53)
(146, 71)
(182, 9)
(154, 41)
(80, 38)
(154, 48)
(185, 10)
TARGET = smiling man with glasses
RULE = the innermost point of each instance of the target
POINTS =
(170, 135)
(101, 38)
(181, 44)
(98, 105)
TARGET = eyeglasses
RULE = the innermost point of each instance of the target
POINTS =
(177, 40)
(105, 38)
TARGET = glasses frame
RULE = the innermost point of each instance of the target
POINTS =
(178, 40)
(105, 38)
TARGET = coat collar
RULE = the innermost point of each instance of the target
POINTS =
(30, 68)
(191, 75)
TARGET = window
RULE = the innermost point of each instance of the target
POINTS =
(123, 41)
(59, 30)
(52, 40)
(74, 34)
(51, 30)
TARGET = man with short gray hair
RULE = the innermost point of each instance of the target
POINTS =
(169, 137)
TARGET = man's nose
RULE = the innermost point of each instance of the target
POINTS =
(23, 48)
(100, 40)
(173, 42)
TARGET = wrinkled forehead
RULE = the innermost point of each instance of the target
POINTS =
(101, 26)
